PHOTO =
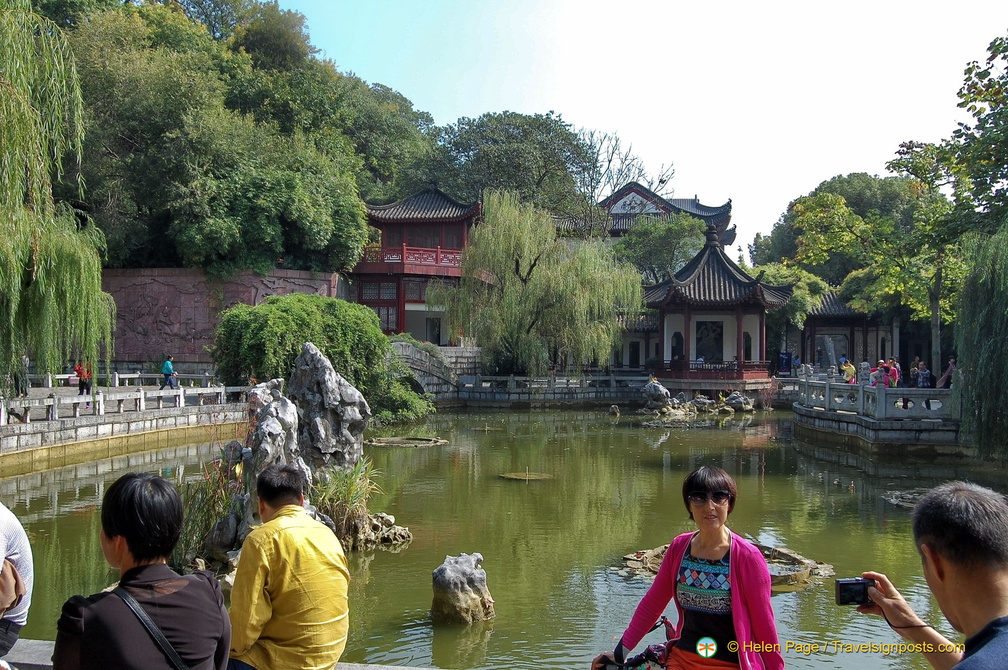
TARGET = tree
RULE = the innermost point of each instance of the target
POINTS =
(908, 259)
(892, 197)
(538, 157)
(659, 247)
(262, 342)
(220, 17)
(983, 314)
(51, 302)
(531, 299)
(277, 39)
(980, 149)
(806, 296)
(176, 178)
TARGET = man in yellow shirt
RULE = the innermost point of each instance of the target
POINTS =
(289, 602)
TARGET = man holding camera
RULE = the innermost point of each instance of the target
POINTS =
(961, 532)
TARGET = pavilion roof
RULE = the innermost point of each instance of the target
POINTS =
(711, 279)
(832, 306)
(633, 200)
(428, 206)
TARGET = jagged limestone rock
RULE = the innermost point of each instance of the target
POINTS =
(460, 591)
(333, 413)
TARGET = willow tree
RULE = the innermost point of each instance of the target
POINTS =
(531, 299)
(51, 302)
(980, 341)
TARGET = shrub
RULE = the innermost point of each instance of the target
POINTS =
(262, 342)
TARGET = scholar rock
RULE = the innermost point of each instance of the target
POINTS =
(460, 591)
(332, 413)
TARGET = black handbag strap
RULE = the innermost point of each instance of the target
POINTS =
(152, 628)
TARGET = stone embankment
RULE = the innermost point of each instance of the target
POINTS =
(53, 427)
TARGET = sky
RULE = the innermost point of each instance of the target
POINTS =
(758, 102)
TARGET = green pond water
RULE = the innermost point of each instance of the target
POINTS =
(552, 547)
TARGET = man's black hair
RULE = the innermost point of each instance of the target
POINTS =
(146, 510)
(965, 523)
(280, 485)
(708, 478)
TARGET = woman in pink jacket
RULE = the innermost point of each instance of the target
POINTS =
(720, 585)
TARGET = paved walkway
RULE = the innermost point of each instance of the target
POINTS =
(37, 655)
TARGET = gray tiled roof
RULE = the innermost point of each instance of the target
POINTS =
(622, 222)
(430, 206)
(711, 279)
(833, 306)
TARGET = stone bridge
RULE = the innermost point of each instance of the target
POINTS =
(439, 377)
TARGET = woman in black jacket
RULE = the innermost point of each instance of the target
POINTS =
(141, 522)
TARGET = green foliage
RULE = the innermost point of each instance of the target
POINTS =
(980, 148)
(262, 342)
(807, 295)
(178, 179)
(908, 257)
(539, 157)
(51, 302)
(983, 318)
(343, 496)
(427, 347)
(277, 39)
(532, 300)
(219, 17)
(204, 502)
(658, 248)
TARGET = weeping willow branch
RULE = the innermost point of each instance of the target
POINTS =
(562, 310)
(51, 302)
(982, 346)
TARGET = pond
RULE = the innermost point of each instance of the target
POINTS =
(552, 547)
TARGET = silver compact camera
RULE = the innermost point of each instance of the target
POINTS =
(853, 590)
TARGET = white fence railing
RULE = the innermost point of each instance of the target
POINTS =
(53, 407)
(122, 379)
(876, 402)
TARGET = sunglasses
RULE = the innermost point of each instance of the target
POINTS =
(700, 497)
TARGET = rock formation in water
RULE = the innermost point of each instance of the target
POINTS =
(332, 412)
(319, 429)
(460, 591)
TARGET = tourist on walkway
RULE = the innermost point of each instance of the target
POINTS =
(849, 373)
(141, 519)
(289, 601)
(17, 578)
(83, 372)
(961, 532)
(922, 376)
(720, 585)
(945, 381)
(170, 376)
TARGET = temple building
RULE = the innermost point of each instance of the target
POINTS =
(632, 201)
(422, 237)
(712, 322)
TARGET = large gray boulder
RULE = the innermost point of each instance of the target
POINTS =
(332, 413)
(460, 591)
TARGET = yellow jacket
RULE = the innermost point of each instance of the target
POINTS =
(289, 602)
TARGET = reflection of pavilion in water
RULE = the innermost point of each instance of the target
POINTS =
(38, 496)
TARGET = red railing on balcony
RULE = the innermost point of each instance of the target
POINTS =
(719, 370)
(415, 255)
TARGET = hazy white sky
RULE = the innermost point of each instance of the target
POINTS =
(757, 102)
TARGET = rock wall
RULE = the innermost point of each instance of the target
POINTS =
(174, 310)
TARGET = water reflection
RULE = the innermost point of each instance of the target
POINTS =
(552, 548)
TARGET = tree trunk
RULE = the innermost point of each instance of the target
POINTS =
(936, 361)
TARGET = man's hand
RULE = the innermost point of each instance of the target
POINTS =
(602, 660)
(889, 603)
